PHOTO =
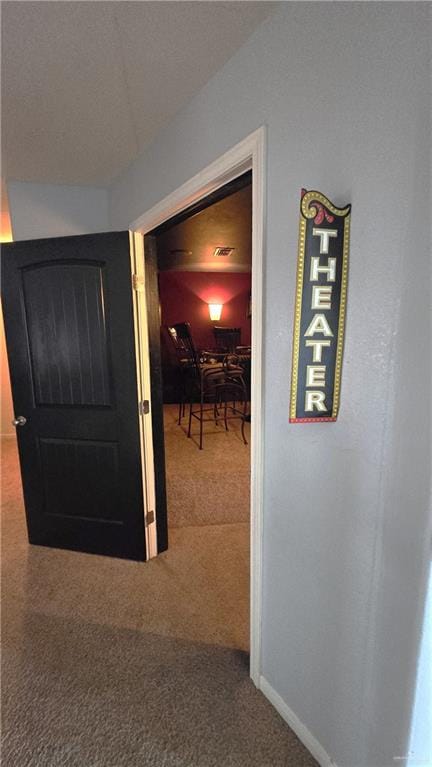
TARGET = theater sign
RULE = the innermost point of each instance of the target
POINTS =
(319, 320)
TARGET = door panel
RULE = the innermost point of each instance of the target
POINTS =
(69, 323)
(67, 333)
(77, 495)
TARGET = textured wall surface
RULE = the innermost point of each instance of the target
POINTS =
(53, 210)
(343, 91)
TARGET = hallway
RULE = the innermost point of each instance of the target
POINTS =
(109, 663)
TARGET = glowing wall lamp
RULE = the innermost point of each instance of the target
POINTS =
(215, 311)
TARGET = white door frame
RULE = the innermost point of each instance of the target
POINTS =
(249, 154)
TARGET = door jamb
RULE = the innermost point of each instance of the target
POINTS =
(249, 154)
(142, 353)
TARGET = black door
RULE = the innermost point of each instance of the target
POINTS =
(69, 323)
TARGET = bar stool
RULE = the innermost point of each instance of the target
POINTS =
(223, 388)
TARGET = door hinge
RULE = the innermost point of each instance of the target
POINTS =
(144, 407)
(138, 282)
(149, 518)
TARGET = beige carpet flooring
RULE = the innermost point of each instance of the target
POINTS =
(209, 486)
(109, 663)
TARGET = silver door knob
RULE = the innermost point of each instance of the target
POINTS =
(20, 421)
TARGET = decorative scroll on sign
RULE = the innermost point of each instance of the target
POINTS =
(322, 271)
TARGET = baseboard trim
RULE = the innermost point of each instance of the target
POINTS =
(302, 732)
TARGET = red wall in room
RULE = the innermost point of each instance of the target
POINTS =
(185, 296)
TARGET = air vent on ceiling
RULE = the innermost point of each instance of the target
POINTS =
(223, 251)
(180, 252)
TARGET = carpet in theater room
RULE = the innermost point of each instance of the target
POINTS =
(209, 486)
(110, 663)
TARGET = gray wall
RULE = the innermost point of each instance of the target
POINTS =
(54, 210)
(343, 91)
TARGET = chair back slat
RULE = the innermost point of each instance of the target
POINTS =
(184, 347)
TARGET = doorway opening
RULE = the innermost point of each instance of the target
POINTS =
(204, 261)
(248, 155)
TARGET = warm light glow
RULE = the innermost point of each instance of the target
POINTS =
(5, 222)
(215, 311)
(5, 227)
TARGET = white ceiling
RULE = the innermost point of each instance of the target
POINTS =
(87, 85)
